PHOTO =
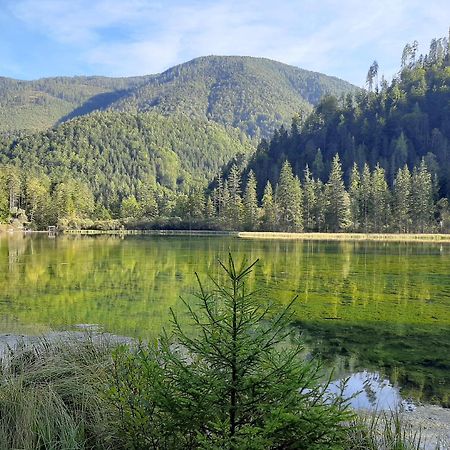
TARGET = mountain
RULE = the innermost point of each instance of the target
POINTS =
(393, 125)
(40, 104)
(118, 154)
(254, 94)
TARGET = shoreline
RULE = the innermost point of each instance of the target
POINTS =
(432, 421)
(275, 235)
(262, 235)
(392, 237)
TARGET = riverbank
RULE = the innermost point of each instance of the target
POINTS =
(264, 235)
(125, 232)
(57, 361)
(433, 423)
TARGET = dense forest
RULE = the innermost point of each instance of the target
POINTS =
(388, 124)
(374, 161)
(254, 94)
(103, 164)
(40, 104)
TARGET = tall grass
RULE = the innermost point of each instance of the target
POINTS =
(386, 431)
(51, 396)
(394, 237)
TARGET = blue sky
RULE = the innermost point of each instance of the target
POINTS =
(40, 38)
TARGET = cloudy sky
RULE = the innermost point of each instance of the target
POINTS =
(40, 38)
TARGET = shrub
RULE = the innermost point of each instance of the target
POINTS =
(233, 383)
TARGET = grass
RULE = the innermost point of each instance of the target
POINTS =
(389, 430)
(384, 430)
(50, 396)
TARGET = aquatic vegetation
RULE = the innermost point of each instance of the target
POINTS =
(362, 305)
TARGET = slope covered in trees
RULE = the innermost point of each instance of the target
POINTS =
(40, 104)
(103, 163)
(254, 94)
(375, 162)
(390, 125)
(295, 204)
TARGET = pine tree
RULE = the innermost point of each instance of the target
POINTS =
(400, 153)
(321, 205)
(235, 383)
(196, 204)
(402, 200)
(365, 196)
(338, 211)
(14, 184)
(422, 199)
(288, 198)
(318, 165)
(210, 211)
(269, 213)
(218, 196)
(297, 205)
(309, 201)
(235, 207)
(355, 199)
(37, 195)
(226, 210)
(380, 200)
(4, 196)
(282, 194)
(251, 209)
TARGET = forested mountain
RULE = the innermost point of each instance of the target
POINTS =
(390, 125)
(40, 104)
(375, 162)
(254, 94)
(106, 157)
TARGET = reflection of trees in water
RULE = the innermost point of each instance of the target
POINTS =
(402, 354)
(12, 247)
(385, 296)
(370, 392)
(338, 280)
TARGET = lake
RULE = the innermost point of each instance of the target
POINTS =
(375, 308)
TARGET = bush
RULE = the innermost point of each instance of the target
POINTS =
(235, 383)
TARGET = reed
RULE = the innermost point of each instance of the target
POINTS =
(444, 238)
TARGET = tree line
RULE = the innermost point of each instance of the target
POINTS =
(293, 204)
(366, 204)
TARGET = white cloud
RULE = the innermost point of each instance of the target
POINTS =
(142, 36)
(81, 21)
(143, 57)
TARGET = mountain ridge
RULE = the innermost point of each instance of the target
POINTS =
(254, 94)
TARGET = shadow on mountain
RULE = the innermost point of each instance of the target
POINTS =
(97, 102)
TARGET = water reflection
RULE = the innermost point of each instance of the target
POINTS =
(370, 391)
(377, 306)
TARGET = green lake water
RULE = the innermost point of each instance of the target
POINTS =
(379, 307)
